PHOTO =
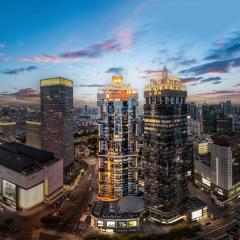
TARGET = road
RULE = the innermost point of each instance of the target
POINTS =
(77, 204)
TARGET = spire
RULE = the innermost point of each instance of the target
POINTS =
(165, 73)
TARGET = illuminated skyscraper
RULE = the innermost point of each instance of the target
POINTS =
(117, 104)
(165, 145)
(57, 118)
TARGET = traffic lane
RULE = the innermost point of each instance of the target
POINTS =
(73, 209)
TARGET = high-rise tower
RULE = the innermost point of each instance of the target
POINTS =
(57, 118)
(165, 145)
(117, 104)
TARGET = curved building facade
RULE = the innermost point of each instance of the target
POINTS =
(117, 104)
(165, 145)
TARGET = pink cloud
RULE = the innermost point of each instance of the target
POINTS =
(120, 43)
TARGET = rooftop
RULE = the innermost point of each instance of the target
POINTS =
(23, 159)
(195, 203)
(126, 207)
(226, 139)
(56, 81)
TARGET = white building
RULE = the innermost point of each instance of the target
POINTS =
(28, 176)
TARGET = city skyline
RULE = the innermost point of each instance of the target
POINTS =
(78, 42)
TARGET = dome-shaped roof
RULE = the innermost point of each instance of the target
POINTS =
(131, 204)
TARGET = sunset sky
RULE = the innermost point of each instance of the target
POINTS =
(87, 41)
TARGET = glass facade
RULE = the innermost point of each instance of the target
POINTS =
(166, 159)
(117, 104)
(57, 118)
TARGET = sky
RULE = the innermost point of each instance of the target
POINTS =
(89, 41)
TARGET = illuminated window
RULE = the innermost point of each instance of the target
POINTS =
(110, 223)
(132, 223)
(100, 223)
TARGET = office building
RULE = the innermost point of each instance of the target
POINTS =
(221, 175)
(8, 130)
(57, 118)
(29, 176)
(117, 155)
(165, 145)
(33, 134)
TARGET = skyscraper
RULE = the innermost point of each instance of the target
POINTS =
(117, 104)
(57, 118)
(165, 145)
(33, 134)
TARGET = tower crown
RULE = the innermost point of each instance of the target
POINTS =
(117, 79)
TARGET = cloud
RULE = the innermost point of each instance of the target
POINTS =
(89, 85)
(16, 71)
(4, 57)
(115, 70)
(121, 42)
(2, 45)
(211, 79)
(153, 71)
(211, 67)
(215, 96)
(226, 48)
(22, 94)
(191, 80)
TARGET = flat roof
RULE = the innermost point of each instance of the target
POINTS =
(226, 139)
(23, 159)
(195, 203)
(114, 209)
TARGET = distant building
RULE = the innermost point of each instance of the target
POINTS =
(165, 146)
(117, 155)
(124, 215)
(8, 131)
(57, 118)
(33, 134)
(221, 174)
(224, 124)
(226, 107)
(209, 119)
(28, 176)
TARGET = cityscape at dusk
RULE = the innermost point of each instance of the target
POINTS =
(120, 120)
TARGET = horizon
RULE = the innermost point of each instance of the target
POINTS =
(78, 42)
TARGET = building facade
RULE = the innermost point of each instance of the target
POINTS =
(33, 134)
(29, 176)
(165, 145)
(117, 155)
(57, 118)
(8, 130)
(221, 173)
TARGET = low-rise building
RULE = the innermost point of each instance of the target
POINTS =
(28, 176)
(124, 215)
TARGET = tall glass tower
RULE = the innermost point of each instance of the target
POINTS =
(57, 118)
(117, 104)
(165, 146)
